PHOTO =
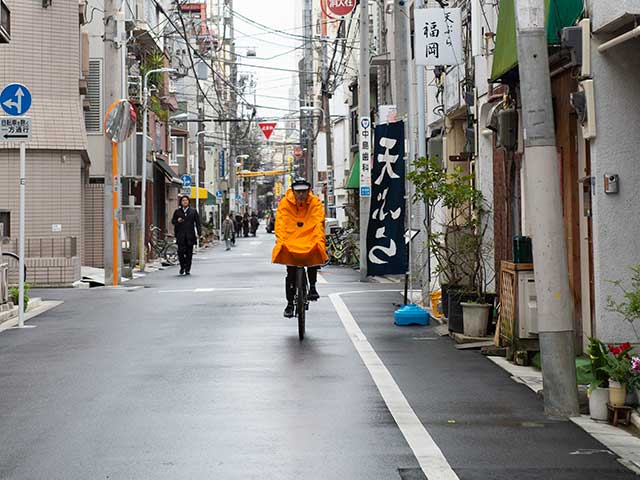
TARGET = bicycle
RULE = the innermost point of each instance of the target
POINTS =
(300, 301)
(13, 260)
(342, 249)
(164, 246)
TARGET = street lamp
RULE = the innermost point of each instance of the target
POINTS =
(143, 197)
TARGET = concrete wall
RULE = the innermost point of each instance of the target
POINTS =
(616, 225)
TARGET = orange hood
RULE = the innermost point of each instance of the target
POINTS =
(300, 238)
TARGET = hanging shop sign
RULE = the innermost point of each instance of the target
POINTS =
(438, 39)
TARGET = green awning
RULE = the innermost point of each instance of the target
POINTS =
(354, 176)
(560, 14)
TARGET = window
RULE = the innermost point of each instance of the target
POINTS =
(177, 151)
(93, 116)
(5, 219)
(5, 23)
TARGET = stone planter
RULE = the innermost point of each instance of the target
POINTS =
(617, 393)
(475, 318)
(598, 399)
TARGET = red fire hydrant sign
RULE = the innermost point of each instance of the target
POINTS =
(341, 8)
(267, 128)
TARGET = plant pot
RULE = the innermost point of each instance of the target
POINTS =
(475, 318)
(455, 317)
(445, 299)
(617, 393)
(598, 399)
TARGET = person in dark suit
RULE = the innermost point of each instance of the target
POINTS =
(186, 221)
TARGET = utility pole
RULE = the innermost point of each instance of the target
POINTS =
(233, 107)
(308, 86)
(326, 109)
(364, 110)
(555, 302)
(112, 87)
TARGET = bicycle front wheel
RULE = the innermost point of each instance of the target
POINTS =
(301, 300)
(171, 254)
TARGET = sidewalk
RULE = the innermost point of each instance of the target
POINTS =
(487, 425)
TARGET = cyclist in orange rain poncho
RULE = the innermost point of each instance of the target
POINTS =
(300, 239)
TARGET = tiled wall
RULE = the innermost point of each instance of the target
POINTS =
(44, 55)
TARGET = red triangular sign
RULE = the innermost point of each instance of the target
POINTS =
(267, 128)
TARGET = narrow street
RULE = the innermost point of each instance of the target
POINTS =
(201, 377)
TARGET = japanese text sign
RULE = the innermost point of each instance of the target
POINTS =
(386, 248)
(438, 38)
(15, 129)
(365, 157)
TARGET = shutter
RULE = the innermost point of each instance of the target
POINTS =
(93, 116)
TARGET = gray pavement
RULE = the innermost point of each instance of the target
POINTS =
(201, 377)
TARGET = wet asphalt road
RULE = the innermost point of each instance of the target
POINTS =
(201, 377)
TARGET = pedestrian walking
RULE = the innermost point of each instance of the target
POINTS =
(245, 225)
(186, 222)
(254, 224)
(228, 231)
(238, 224)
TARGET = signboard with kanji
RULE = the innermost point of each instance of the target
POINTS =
(267, 128)
(15, 129)
(365, 157)
(341, 8)
(438, 37)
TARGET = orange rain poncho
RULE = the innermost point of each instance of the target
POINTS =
(300, 245)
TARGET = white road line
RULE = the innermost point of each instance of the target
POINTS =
(429, 456)
(321, 279)
(205, 290)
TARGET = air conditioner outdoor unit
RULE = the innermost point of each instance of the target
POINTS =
(527, 305)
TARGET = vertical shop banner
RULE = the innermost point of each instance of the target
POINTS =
(386, 248)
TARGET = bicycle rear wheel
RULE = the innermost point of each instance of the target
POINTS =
(301, 300)
(171, 254)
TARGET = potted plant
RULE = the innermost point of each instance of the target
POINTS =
(598, 391)
(456, 240)
(618, 369)
(14, 295)
(635, 376)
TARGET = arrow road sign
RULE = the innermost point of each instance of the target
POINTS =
(14, 129)
(15, 99)
(186, 180)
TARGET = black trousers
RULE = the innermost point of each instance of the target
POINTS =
(185, 255)
(290, 281)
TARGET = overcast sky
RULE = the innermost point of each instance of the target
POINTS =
(279, 15)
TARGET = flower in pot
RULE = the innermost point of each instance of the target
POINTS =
(598, 391)
(618, 369)
(635, 376)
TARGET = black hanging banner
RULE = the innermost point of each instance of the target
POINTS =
(386, 247)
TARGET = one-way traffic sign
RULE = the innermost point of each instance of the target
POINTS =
(15, 129)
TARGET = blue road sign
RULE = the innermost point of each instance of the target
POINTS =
(365, 191)
(186, 180)
(15, 99)
(218, 194)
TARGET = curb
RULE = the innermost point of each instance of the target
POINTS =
(622, 443)
(39, 308)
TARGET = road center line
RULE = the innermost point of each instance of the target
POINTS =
(429, 456)
(205, 290)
